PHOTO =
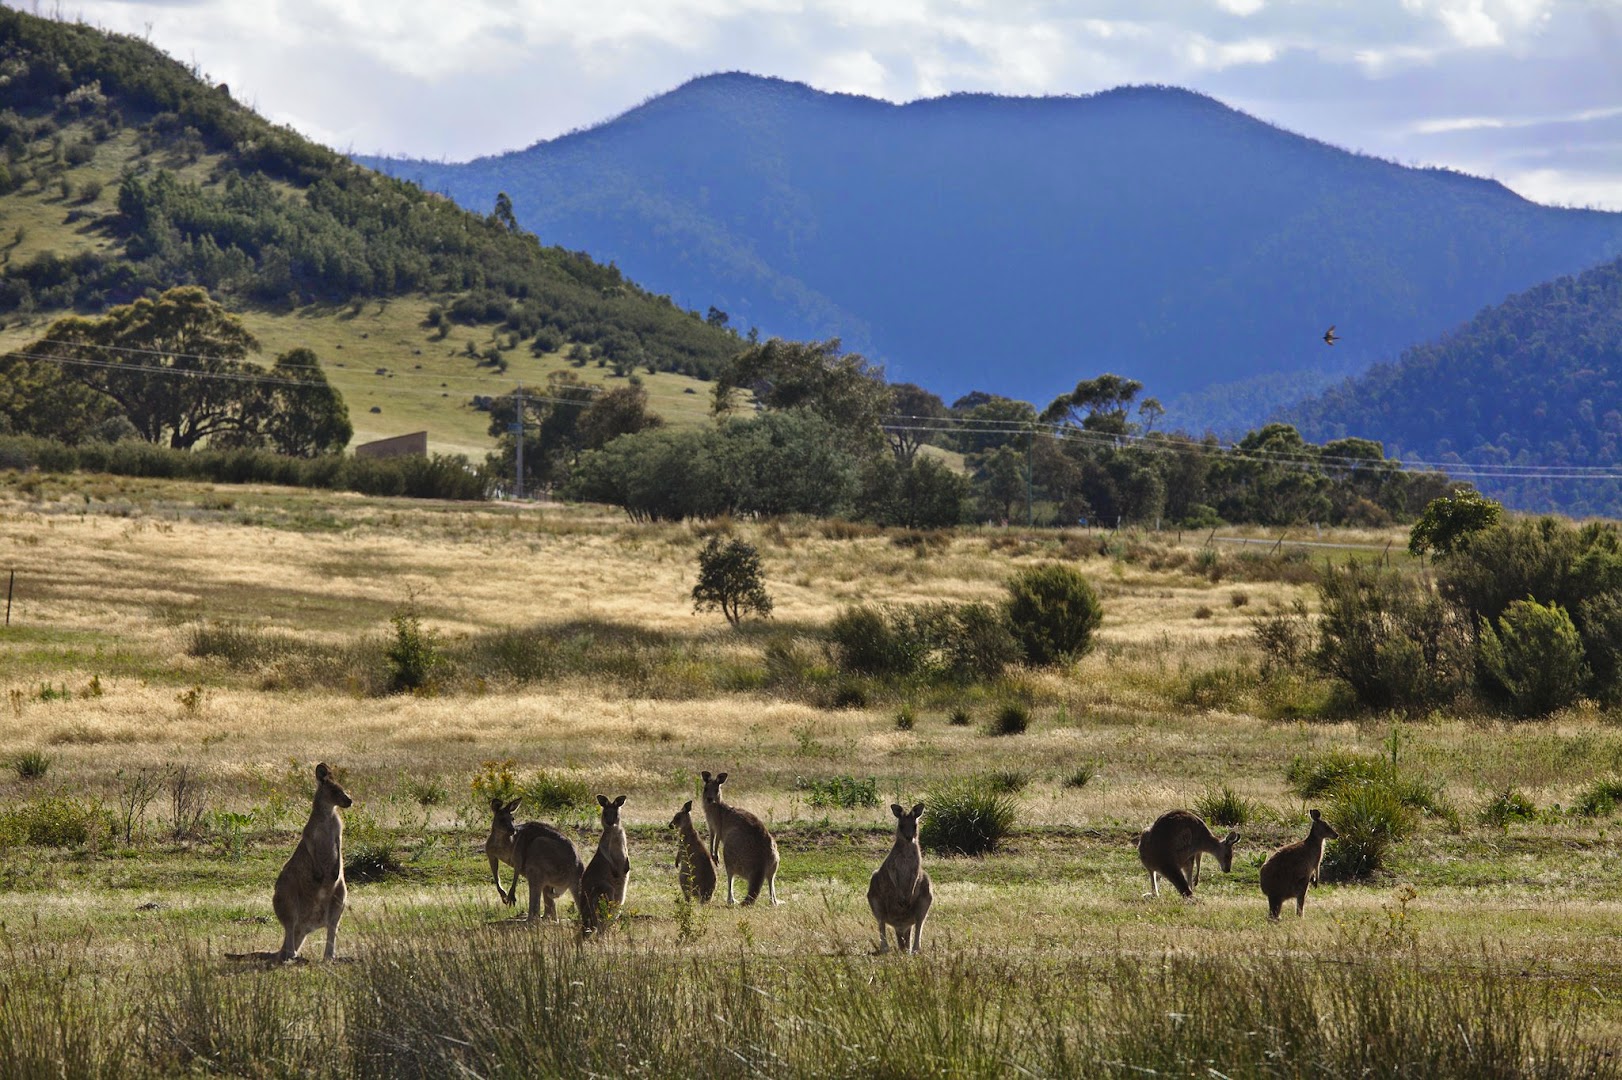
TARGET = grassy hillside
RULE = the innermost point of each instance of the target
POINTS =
(122, 173)
(237, 634)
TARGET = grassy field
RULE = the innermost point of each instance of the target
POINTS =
(201, 648)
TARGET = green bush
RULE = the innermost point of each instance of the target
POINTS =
(1600, 797)
(31, 764)
(1053, 613)
(730, 580)
(413, 655)
(1224, 806)
(965, 643)
(549, 793)
(1534, 656)
(846, 792)
(1507, 806)
(1371, 818)
(863, 643)
(1391, 639)
(1321, 775)
(56, 821)
(966, 817)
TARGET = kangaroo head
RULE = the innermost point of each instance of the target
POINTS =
(1322, 828)
(712, 787)
(906, 821)
(328, 790)
(684, 816)
(1225, 856)
(611, 810)
(502, 814)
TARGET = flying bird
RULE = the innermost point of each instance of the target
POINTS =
(1330, 337)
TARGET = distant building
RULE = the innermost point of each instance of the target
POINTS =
(395, 446)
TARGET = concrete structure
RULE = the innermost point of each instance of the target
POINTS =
(395, 446)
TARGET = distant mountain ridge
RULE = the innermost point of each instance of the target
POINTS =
(1018, 244)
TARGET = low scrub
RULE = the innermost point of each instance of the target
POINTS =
(1506, 807)
(970, 816)
(1053, 613)
(1371, 818)
(934, 642)
(1224, 806)
(843, 792)
(1600, 797)
(58, 821)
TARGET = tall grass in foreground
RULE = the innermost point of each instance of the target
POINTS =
(488, 1001)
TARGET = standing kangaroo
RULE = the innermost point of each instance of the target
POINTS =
(602, 887)
(310, 890)
(543, 855)
(1172, 846)
(747, 848)
(694, 864)
(899, 893)
(1289, 870)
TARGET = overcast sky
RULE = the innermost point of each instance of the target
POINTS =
(1526, 91)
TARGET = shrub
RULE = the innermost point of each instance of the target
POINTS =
(981, 644)
(1535, 656)
(31, 764)
(1506, 806)
(1284, 635)
(1370, 817)
(413, 656)
(553, 792)
(1391, 639)
(1013, 718)
(56, 821)
(846, 792)
(966, 817)
(862, 642)
(1224, 806)
(1322, 775)
(1053, 613)
(1600, 797)
(729, 579)
(1449, 522)
(905, 718)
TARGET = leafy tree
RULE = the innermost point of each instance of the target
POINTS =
(1391, 639)
(303, 415)
(1053, 613)
(620, 411)
(1448, 522)
(503, 213)
(729, 579)
(917, 412)
(1102, 405)
(841, 387)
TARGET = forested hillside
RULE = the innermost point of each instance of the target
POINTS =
(1530, 389)
(1025, 243)
(206, 192)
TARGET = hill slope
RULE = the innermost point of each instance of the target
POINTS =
(123, 172)
(1532, 385)
(1019, 244)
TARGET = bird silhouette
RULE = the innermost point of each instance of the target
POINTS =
(1330, 337)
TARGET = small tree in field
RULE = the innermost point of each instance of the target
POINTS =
(1448, 522)
(729, 578)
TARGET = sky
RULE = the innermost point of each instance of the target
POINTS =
(1527, 92)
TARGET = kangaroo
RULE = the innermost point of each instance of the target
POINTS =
(747, 848)
(543, 855)
(694, 863)
(899, 893)
(1289, 870)
(310, 890)
(602, 886)
(1172, 846)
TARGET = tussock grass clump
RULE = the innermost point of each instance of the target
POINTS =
(242, 648)
(31, 764)
(905, 718)
(1224, 806)
(1600, 798)
(1321, 775)
(959, 717)
(1507, 806)
(1012, 718)
(1009, 781)
(967, 817)
(845, 792)
(1080, 776)
(1371, 818)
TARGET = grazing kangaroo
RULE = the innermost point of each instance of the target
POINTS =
(543, 855)
(310, 890)
(694, 863)
(747, 848)
(1172, 846)
(899, 893)
(1289, 870)
(602, 887)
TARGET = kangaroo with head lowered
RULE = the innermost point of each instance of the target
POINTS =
(747, 848)
(310, 890)
(899, 892)
(602, 886)
(543, 855)
(1172, 846)
(694, 863)
(1289, 870)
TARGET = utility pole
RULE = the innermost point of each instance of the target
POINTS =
(517, 428)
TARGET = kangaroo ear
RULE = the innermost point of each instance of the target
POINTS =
(620, 801)
(1315, 815)
(895, 808)
(513, 805)
(917, 809)
(1233, 838)
(687, 807)
(706, 775)
(495, 805)
(321, 771)
(720, 778)
(602, 800)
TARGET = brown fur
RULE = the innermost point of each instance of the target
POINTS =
(543, 855)
(602, 887)
(899, 893)
(746, 845)
(1292, 868)
(1172, 846)
(310, 890)
(694, 864)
